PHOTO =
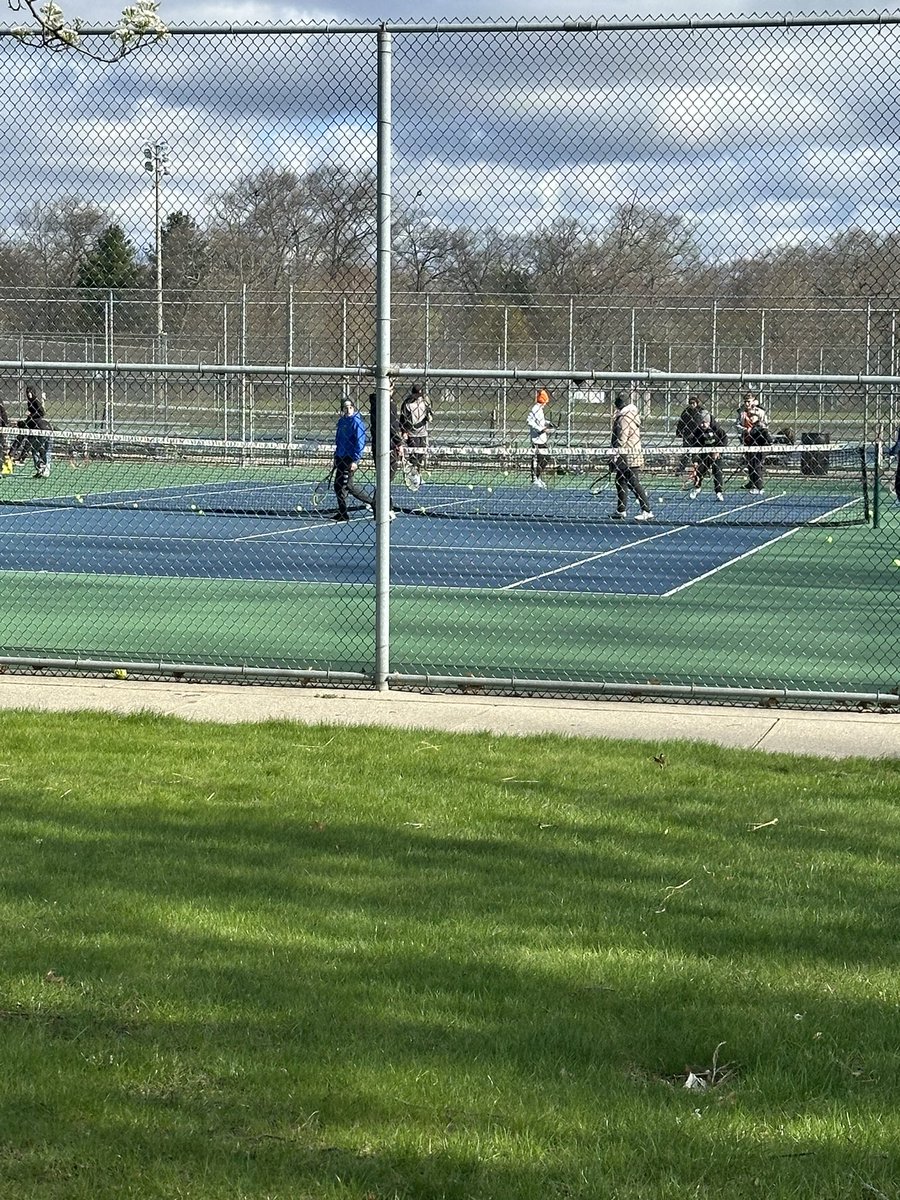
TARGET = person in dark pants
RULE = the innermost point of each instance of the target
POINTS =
(753, 423)
(415, 422)
(627, 458)
(395, 432)
(36, 418)
(895, 449)
(707, 435)
(686, 429)
(6, 462)
(349, 444)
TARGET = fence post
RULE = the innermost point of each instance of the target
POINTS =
(383, 368)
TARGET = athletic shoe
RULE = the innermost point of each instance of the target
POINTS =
(391, 515)
(417, 481)
(756, 491)
(340, 517)
(644, 515)
(720, 496)
(617, 516)
(45, 472)
(539, 483)
(695, 492)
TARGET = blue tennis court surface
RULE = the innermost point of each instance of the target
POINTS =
(472, 553)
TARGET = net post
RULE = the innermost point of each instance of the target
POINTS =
(876, 487)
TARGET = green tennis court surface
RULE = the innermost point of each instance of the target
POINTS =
(804, 611)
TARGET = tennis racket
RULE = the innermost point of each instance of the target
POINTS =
(411, 477)
(322, 490)
(603, 482)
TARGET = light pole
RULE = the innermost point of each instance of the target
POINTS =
(155, 159)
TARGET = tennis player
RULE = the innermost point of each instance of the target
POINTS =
(687, 426)
(415, 421)
(707, 435)
(895, 449)
(396, 438)
(539, 431)
(627, 458)
(753, 423)
(36, 418)
(349, 444)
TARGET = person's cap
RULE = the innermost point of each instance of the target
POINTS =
(620, 400)
(705, 415)
(693, 399)
(346, 402)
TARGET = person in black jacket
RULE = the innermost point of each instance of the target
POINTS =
(707, 436)
(37, 447)
(396, 433)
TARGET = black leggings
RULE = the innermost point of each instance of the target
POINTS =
(706, 463)
(627, 479)
(345, 485)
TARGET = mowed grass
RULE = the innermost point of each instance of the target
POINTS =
(280, 962)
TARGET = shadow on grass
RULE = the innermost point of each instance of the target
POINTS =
(253, 993)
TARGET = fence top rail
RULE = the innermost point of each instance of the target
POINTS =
(580, 25)
(579, 377)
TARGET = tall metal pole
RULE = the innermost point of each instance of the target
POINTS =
(155, 159)
(383, 368)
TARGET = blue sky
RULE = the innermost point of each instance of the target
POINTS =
(755, 139)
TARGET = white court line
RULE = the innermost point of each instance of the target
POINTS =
(755, 550)
(72, 535)
(628, 545)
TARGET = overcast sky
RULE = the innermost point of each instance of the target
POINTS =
(756, 139)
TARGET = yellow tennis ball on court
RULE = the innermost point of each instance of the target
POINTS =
(134, 505)
(199, 512)
(79, 499)
(471, 488)
(120, 673)
(490, 491)
(897, 562)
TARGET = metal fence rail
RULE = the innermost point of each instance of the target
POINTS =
(215, 241)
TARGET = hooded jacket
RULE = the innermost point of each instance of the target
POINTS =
(350, 437)
(626, 435)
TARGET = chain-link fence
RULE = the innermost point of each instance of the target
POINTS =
(633, 285)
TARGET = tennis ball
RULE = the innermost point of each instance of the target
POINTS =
(897, 562)
(193, 508)
(134, 505)
(79, 499)
(471, 488)
(829, 539)
(490, 491)
(120, 673)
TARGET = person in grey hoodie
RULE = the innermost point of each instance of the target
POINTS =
(627, 458)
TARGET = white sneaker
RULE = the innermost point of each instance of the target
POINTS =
(391, 515)
(539, 483)
(695, 492)
(644, 516)
(756, 491)
(416, 481)
(617, 516)
(45, 472)
(720, 496)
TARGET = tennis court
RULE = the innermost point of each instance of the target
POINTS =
(192, 509)
(188, 557)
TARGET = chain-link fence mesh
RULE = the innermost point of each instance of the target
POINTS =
(602, 239)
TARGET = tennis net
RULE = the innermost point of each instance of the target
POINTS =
(827, 485)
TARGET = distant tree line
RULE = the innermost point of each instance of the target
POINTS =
(315, 231)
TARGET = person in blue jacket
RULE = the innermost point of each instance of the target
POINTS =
(349, 444)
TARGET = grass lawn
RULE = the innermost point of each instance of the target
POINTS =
(289, 963)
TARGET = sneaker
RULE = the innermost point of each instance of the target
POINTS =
(45, 472)
(391, 515)
(695, 492)
(756, 491)
(416, 481)
(539, 483)
(340, 517)
(617, 516)
(720, 496)
(644, 515)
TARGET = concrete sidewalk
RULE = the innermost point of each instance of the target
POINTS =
(831, 734)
